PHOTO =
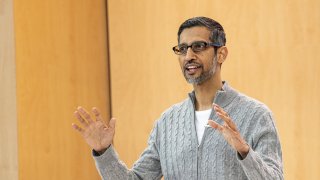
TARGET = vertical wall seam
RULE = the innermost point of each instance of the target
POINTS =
(108, 62)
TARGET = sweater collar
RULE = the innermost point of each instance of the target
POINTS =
(223, 97)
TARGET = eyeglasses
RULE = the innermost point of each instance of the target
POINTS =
(197, 46)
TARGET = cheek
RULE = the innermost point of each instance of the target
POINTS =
(209, 64)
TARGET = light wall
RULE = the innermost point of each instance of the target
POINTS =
(8, 110)
(273, 57)
(61, 63)
(54, 57)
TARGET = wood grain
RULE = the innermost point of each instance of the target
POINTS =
(273, 57)
(61, 63)
(8, 110)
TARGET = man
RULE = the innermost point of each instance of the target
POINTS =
(239, 141)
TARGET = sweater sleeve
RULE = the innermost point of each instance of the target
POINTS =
(146, 167)
(264, 160)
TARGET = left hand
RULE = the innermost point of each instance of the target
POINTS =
(230, 131)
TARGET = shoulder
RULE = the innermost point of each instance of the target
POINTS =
(243, 103)
(262, 115)
(254, 118)
(174, 111)
(177, 108)
(255, 106)
(251, 112)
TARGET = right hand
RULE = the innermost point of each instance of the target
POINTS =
(97, 133)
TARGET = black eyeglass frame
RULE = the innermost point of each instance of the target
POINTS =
(192, 46)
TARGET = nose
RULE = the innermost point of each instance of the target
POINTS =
(190, 55)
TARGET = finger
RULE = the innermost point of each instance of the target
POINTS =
(96, 112)
(215, 105)
(78, 128)
(112, 123)
(224, 116)
(85, 114)
(215, 125)
(228, 128)
(81, 120)
(217, 108)
(228, 121)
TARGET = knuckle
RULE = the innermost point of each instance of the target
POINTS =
(87, 116)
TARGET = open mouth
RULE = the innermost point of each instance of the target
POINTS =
(191, 69)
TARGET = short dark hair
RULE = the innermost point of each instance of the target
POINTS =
(218, 35)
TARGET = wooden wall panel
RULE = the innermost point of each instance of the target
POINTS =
(273, 57)
(61, 63)
(8, 111)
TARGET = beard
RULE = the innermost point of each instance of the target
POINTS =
(205, 75)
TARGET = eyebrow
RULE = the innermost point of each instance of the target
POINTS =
(192, 42)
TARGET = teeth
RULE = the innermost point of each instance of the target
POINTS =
(192, 67)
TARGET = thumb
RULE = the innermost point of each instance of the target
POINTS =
(112, 123)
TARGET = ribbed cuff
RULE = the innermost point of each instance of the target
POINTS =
(109, 157)
(250, 165)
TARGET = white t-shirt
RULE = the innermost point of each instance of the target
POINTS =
(202, 118)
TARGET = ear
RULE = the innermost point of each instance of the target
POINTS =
(222, 54)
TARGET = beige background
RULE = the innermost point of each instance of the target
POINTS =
(273, 57)
(61, 63)
(8, 111)
(58, 59)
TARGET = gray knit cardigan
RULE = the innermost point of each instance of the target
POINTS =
(174, 153)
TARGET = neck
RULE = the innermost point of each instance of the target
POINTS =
(205, 92)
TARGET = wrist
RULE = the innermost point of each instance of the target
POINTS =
(101, 151)
(244, 151)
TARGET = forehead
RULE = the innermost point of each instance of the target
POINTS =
(192, 34)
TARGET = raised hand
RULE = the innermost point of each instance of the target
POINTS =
(229, 131)
(97, 133)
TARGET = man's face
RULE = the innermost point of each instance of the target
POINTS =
(197, 67)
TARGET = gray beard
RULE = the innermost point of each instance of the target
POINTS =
(203, 76)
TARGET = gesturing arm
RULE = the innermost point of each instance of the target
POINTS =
(263, 159)
(99, 136)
